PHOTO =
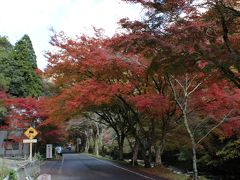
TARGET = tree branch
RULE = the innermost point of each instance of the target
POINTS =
(174, 93)
(222, 121)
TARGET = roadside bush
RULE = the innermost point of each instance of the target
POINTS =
(12, 175)
(3, 171)
(39, 157)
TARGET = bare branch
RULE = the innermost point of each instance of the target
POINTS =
(190, 83)
(186, 82)
(179, 83)
(200, 124)
(175, 94)
(197, 86)
(222, 121)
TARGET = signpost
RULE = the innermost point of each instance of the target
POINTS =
(29, 140)
(30, 133)
(49, 151)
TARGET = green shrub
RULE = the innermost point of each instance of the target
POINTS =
(12, 175)
(39, 157)
(3, 171)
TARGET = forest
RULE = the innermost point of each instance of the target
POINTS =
(164, 90)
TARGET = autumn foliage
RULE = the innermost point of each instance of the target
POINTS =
(131, 72)
(21, 113)
(177, 67)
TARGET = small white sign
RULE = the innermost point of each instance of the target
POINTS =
(29, 140)
(44, 177)
(49, 151)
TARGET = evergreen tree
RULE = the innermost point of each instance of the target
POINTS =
(24, 81)
(24, 51)
(5, 60)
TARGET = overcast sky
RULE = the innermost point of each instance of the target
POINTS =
(37, 17)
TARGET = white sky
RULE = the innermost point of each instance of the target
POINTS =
(36, 17)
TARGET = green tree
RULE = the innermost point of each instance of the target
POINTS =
(5, 58)
(24, 81)
(24, 51)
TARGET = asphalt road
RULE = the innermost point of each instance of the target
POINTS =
(84, 167)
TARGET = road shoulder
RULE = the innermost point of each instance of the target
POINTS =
(127, 167)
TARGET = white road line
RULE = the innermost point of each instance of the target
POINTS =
(123, 168)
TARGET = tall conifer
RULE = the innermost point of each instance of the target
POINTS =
(24, 81)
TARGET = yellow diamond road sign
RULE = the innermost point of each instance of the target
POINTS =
(31, 133)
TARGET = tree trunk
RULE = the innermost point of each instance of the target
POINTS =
(184, 108)
(195, 171)
(135, 153)
(150, 157)
(194, 156)
(87, 144)
(158, 158)
(96, 149)
(120, 146)
(159, 148)
(86, 147)
(121, 152)
(96, 139)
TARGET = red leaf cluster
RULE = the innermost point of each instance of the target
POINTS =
(219, 101)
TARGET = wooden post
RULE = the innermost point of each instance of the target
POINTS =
(30, 141)
(30, 156)
(30, 133)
